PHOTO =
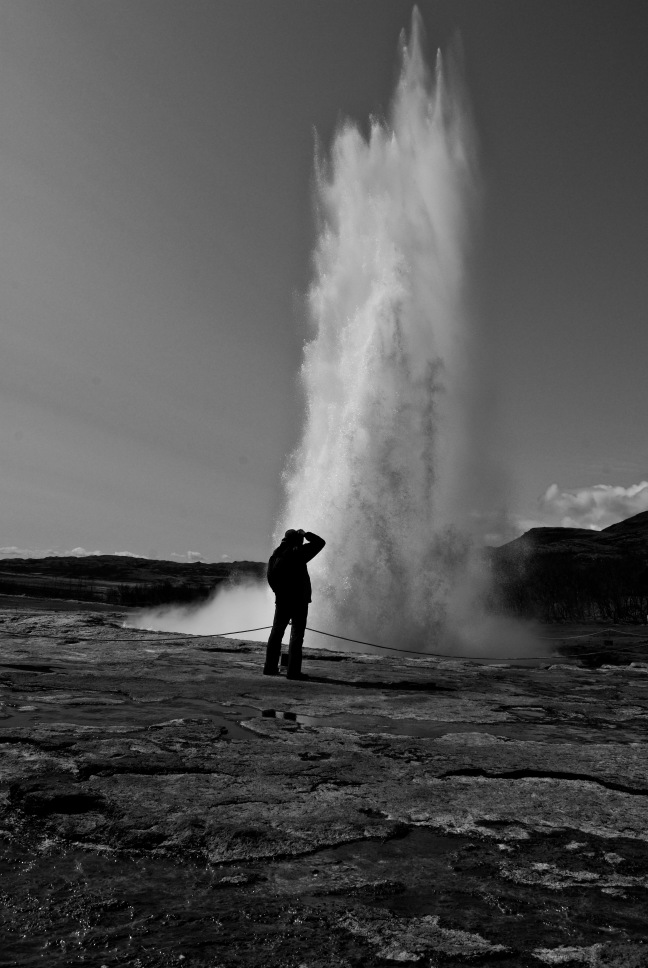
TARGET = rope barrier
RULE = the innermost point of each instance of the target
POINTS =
(391, 648)
(474, 658)
(374, 645)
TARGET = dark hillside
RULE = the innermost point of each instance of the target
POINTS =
(573, 574)
(121, 579)
(630, 534)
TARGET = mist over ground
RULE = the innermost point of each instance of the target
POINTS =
(230, 609)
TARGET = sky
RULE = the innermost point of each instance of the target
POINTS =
(156, 231)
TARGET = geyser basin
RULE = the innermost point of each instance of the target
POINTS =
(302, 833)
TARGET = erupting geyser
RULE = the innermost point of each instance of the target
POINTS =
(387, 442)
(385, 375)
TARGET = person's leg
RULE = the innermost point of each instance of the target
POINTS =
(299, 616)
(273, 650)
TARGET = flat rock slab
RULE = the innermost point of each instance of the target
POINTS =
(163, 803)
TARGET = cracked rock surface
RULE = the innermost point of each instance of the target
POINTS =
(162, 803)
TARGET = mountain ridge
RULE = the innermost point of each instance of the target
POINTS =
(576, 574)
(122, 579)
(631, 531)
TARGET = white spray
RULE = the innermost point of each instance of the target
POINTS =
(378, 470)
(387, 440)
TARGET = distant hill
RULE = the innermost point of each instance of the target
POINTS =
(551, 574)
(121, 579)
(629, 535)
(574, 574)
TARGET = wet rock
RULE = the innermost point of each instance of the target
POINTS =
(388, 811)
(411, 939)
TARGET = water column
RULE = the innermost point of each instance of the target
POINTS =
(377, 472)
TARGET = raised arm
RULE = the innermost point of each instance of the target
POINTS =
(314, 546)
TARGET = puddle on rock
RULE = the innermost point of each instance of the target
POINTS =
(530, 730)
(415, 728)
(129, 712)
(125, 711)
(109, 711)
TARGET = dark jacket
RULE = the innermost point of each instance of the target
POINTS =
(287, 572)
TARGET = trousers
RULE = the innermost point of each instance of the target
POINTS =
(284, 613)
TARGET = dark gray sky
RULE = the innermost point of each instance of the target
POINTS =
(156, 165)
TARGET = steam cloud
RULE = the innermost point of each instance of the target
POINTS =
(231, 608)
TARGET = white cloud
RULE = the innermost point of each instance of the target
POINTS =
(594, 507)
(189, 557)
(12, 551)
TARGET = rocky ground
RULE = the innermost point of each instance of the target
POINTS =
(162, 803)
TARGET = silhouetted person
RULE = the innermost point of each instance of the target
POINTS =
(288, 578)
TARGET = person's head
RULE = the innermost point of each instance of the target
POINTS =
(293, 538)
